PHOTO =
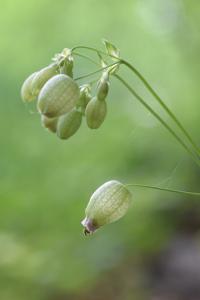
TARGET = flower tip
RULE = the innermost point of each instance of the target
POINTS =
(89, 226)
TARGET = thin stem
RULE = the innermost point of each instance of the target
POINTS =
(97, 71)
(163, 189)
(158, 118)
(95, 50)
(86, 57)
(170, 113)
(166, 108)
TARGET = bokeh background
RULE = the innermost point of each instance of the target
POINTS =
(45, 183)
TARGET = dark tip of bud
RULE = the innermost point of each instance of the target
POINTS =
(89, 226)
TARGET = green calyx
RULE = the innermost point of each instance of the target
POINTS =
(107, 204)
(58, 96)
(49, 123)
(68, 124)
(42, 77)
(26, 89)
(103, 86)
(95, 113)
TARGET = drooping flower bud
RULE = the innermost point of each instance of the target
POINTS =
(103, 86)
(108, 204)
(67, 66)
(68, 124)
(65, 61)
(42, 77)
(58, 96)
(26, 90)
(49, 123)
(95, 113)
(85, 96)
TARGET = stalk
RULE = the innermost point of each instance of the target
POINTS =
(152, 91)
(161, 102)
(163, 189)
(167, 127)
(97, 71)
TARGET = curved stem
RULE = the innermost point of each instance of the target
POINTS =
(95, 50)
(170, 113)
(166, 108)
(86, 57)
(162, 189)
(97, 71)
(158, 118)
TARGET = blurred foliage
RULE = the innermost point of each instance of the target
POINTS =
(46, 183)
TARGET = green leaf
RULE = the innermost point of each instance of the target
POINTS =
(111, 49)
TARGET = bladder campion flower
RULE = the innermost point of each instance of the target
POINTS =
(62, 103)
(107, 204)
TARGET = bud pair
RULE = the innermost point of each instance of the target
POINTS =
(108, 204)
(58, 96)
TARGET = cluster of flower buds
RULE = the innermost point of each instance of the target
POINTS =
(61, 102)
(107, 204)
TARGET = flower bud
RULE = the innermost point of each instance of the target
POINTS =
(26, 90)
(85, 96)
(42, 77)
(108, 203)
(67, 66)
(58, 96)
(68, 124)
(95, 113)
(49, 123)
(103, 87)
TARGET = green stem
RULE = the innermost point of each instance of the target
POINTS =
(158, 118)
(165, 107)
(97, 71)
(163, 189)
(86, 57)
(149, 108)
(95, 50)
(151, 90)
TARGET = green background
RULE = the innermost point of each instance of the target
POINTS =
(45, 183)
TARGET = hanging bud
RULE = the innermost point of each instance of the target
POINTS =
(68, 124)
(65, 61)
(26, 90)
(108, 204)
(95, 113)
(103, 86)
(58, 96)
(49, 123)
(42, 77)
(67, 66)
(85, 96)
